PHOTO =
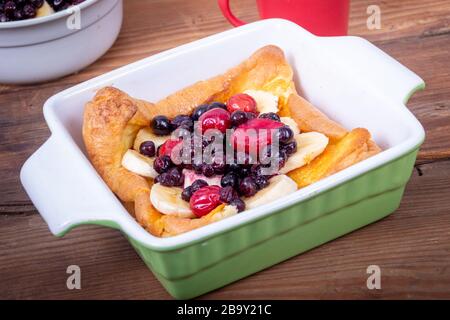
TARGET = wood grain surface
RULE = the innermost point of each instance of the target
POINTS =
(412, 246)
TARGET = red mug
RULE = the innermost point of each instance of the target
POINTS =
(321, 17)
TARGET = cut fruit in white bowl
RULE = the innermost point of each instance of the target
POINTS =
(54, 45)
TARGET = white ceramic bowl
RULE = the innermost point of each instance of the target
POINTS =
(47, 48)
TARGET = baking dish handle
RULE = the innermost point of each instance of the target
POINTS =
(65, 192)
(371, 65)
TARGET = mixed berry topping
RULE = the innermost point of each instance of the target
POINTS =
(14, 10)
(213, 175)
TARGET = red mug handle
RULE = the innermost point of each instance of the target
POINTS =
(225, 8)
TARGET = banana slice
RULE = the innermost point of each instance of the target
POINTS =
(291, 124)
(45, 10)
(139, 164)
(146, 134)
(309, 146)
(168, 200)
(279, 187)
(226, 212)
(265, 101)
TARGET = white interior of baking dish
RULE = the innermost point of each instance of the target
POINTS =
(349, 79)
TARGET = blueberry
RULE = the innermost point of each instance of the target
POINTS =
(245, 171)
(183, 121)
(29, 11)
(187, 125)
(290, 147)
(9, 8)
(239, 204)
(147, 148)
(176, 177)
(208, 170)
(229, 180)
(217, 105)
(285, 134)
(199, 111)
(282, 159)
(161, 125)
(165, 179)
(233, 167)
(172, 178)
(261, 182)
(256, 170)
(198, 184)
(37, 3)
(250, 115)
(219, 165)
(162, 164)
(248, 187)
(237, 118)
(228, 194)
(270, 115)
(59, 5)
(187, 194)
(18, 15)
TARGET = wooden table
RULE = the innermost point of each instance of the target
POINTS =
(412, 246)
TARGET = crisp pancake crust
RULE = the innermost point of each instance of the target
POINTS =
(113, 118)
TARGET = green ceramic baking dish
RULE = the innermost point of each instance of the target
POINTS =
(349, 79)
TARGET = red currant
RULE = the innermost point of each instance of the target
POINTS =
(204, 200)
(255, 132)
(167, 147)
(215, 119)
(242, 102)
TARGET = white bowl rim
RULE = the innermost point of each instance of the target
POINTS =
(51, 17)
